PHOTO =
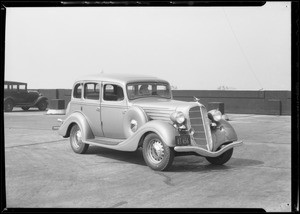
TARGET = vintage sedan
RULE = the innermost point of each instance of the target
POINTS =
(17, 95)
(127, 112)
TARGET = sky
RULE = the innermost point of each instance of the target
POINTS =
(194, 48)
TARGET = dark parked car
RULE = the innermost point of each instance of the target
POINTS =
(16, 95)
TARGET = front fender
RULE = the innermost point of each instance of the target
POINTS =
(164, 130)
(39, 99)
(222, 133)
(79, 119)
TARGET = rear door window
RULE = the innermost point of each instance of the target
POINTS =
(91, 91)
(77, 90)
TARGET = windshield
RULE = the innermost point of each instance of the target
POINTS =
(148, 89)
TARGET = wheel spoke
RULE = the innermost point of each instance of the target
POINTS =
(156, 151)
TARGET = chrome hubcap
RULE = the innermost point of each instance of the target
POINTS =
(155, 151)
(77, 139)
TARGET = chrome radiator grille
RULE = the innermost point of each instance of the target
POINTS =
(199, 122)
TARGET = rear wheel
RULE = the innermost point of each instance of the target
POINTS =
(223, 158)
(42, 105)
(8, 105)
(76, 140)
(156, 153)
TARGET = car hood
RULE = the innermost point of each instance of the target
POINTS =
(161, 109)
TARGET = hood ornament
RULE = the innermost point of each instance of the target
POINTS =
(196, 99)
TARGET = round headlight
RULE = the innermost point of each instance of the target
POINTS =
(177, 117)
(216, 114)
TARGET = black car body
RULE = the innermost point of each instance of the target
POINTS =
(17, 95)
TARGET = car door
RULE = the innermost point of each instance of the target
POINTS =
(113, 108)
(90, 106)
(23, 94)
(16, 94)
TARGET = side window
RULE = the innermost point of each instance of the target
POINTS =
(5, 87)
(14, 87)
(22, 87)
(162, 90)
(91, 91)
(113, 92)
(77, 90)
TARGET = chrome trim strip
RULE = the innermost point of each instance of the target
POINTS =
(206, 128)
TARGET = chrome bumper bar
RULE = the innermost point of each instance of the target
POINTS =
(57, 127)
(206, 153)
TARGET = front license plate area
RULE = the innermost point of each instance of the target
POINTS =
(183, 140)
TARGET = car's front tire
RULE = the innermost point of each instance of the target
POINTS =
(76, 140)
(42, 106)
(8, 105)
(222, 159)
(156, 153)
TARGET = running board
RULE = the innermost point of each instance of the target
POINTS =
(103, 141)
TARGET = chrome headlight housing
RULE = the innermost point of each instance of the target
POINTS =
(215, 115)
(177, 117)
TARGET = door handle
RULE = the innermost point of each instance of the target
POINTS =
(98, 109)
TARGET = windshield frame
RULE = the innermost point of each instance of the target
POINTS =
(149, 83)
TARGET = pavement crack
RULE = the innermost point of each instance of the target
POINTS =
(32, 144)
(28, 128)
(167, 180)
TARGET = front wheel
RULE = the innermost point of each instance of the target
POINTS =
(223, 158)
(42, 105)
(76, 140)
(156, 153)
(25, 108)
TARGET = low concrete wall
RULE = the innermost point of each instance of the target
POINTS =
(239, 102)
(242, 102)
(64, 94)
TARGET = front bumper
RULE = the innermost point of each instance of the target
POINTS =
(57, 127)
(206, 153)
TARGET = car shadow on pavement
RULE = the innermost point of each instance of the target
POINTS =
(187, 163)
(203, 165)
(135, 157)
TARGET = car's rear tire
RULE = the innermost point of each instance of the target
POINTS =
(8, 105)
(222, 159)
(25, 108)
(42, 105)
(156, 153)
(76, 140)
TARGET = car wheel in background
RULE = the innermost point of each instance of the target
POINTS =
(156, 153)
(76, 140)
(25, 108)
(8, 105)
(42, 105)
(223, 158)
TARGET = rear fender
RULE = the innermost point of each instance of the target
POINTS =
(9, 98)
(222, 133)
(79, 119)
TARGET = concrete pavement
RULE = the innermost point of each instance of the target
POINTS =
(42, 170)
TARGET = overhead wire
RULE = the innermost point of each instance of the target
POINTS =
(241, 48)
